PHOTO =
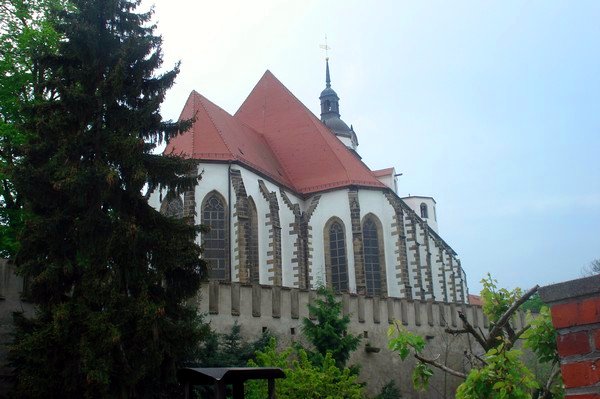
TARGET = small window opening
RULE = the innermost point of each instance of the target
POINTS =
(264, 329)
(365, 334)
(424, 213)
(293, 331)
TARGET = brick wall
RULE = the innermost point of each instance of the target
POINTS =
(575, 309)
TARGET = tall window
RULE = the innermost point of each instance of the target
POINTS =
(338, 263)
(424, 213)
(252, 242)
(216, 250)
(172, 206)
(372, 255)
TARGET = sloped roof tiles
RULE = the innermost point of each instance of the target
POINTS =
(274, 134)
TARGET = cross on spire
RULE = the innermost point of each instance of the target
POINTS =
(326, 48)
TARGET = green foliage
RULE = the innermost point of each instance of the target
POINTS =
(329, 333)
(503, 377)
(389, 391)
(421, 375)
(230, 350)
(501, 372)
(533, 304)
(109, 275)
(403, 341)
(25, 32)
(496, 301)
(303, 378)
(541, 336)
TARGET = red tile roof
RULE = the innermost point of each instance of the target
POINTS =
(475, 300)
(274, 134)
(383, 172)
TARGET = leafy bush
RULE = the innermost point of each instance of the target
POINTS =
(303, 378)
(389, 391)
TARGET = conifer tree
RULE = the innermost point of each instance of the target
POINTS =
(109, 275)
(329, 332)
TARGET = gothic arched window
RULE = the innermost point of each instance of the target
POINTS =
(172, 206)
(424, 213)
(216, 245)
(372, 256)
(252, 243)
(336, 261)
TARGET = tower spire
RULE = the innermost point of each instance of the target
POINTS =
(327, 78)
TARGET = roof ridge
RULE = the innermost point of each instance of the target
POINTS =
(274, 151)
(210, 117)
(312, 117)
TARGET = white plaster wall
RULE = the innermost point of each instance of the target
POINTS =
(333, 203)
(286, 217)
(347, 142)
(414, 203)
(288, 241)
(390, 181)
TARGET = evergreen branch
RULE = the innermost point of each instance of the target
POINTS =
(441, 366)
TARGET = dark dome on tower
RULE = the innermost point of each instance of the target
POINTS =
(330, 113)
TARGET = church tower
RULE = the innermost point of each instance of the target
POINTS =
(330, 113)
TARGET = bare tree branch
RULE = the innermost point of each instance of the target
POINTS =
(545, 393)
(441, 366)
(472, 331)
(507, 315)
(517, 335)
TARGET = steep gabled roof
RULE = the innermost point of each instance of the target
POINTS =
(274, 134)
(217, 136)
(313, 157)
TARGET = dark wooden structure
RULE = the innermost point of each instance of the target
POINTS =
(220, 377)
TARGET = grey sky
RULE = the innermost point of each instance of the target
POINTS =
(490, 107)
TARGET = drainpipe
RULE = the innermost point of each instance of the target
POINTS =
(229, 228)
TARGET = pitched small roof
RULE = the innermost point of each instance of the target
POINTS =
(275, 134)
(383, 172)
(475, 300)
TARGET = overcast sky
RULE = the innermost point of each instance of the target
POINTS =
(492, 108)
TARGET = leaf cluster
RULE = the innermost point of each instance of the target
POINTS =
(389, 391)
(496, 301)
(304, 379)
(500, 371)
(503, 377)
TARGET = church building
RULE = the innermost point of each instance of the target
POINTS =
(290, 203)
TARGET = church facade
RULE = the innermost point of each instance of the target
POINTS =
(290, 203)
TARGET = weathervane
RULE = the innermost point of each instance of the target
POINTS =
(326, 48)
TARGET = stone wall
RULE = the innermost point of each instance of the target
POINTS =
(280, 310)
(11, 288)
